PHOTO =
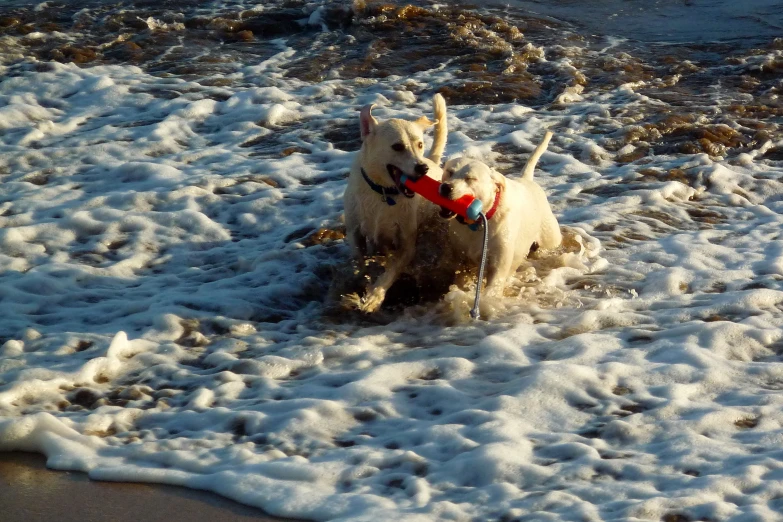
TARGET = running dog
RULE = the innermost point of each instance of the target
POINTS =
(382, 216)
(518, 214)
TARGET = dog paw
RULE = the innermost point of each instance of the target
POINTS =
(372, 302)
(350, 301)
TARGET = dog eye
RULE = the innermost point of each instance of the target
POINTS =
(421, 145)
(399, 147)
(449, 173)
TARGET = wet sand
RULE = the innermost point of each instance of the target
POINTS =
(29, 492)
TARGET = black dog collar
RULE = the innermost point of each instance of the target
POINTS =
(385, 192)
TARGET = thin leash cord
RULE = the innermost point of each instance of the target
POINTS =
(475, 314)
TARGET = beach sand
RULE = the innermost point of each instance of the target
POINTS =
(29, 492)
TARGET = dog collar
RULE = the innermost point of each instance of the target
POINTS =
(494, 208)
(385, 192)
(498, 195)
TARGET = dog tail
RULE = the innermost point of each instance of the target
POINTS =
(530, 166)
(441, 129)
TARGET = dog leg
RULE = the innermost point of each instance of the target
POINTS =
(498, 270)
(361, 244)
(551, 237)
(357, 242)
(395, 264)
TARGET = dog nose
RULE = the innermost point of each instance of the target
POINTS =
(421, 169)
(445, 190)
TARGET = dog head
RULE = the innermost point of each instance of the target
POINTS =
(393, 148)
(463, 176)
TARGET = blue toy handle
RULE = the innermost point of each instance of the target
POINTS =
(474, 210)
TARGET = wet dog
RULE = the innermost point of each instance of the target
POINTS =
(382, 216)
(520, 219)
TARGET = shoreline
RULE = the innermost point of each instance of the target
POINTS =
(30, 492)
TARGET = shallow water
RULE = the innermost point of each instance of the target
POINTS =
(172, 247)
(688, 21)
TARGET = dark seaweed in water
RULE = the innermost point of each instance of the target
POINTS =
(718, 99)
(492, 60)
(168, 37)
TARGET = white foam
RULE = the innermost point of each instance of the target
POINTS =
(163, 313)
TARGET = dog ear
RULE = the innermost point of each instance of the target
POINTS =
(498, 178)
(367, 122)
(424, 122)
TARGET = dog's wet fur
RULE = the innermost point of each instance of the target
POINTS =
(522, 223)
(388, 240)
(390, 149)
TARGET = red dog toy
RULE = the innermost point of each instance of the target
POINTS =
(467, 206)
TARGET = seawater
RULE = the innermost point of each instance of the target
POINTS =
(172, 253)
